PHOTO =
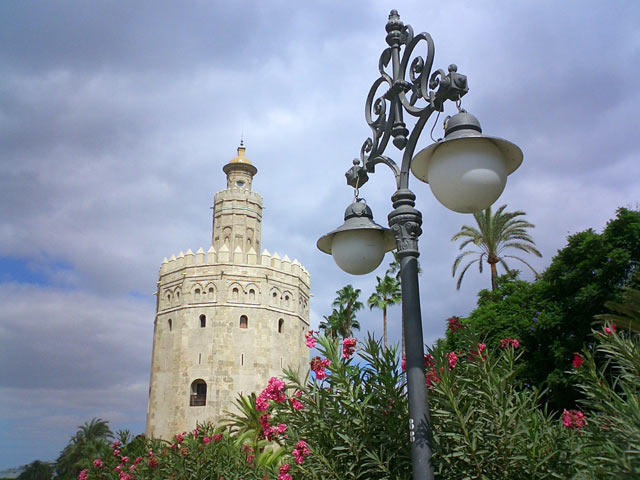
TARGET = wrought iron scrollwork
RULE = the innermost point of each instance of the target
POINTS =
(409, 86)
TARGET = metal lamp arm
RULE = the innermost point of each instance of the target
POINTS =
(409, 74)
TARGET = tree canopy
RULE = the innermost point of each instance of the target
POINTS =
(553, 316)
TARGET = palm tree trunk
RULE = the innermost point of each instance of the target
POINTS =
(494, 275)
(384, 325)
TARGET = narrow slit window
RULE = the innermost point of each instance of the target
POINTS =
(244, 322)
(170, 325)
(281, 325)
(203, 321)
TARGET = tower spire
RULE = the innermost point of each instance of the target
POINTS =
(237, 211)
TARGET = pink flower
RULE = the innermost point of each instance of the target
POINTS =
(179, 438)
(262, 404)
(301, 451)
(432, 377)
(116, 452)
(138, 460)
(478, 351)
(153, 462)
(216, 437)
(283, 472)
(83, 475)
(428, 360)
(296, 404)
(454, 324)
(125, 459)
(195, 432)
(577, 360)
(573, 419)
(281, 428)
(132, 467)
(267, 430)
(610, 331)
(97, 463)
(318, 365)
(118, 469)
(309, 340)
(115, 444)
(509, 342)
(453, 360)
(206, 440)
(348, 347)
(250, 458)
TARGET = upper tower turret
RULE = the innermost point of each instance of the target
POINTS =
(237, 211)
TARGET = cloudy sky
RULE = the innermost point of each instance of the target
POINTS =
(117, 117)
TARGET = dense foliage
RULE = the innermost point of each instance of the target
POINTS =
(351, 421)
(553, 315)
(91, 440)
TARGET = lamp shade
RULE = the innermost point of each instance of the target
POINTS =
(359, 245)
(466, 171)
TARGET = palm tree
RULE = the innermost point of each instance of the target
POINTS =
(90, 441)
(338, 324)
(387, 293)
(348, 300)
(627, 311)
(342, 320)
(495, 233)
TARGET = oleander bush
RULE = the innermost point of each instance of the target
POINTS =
(349, 420)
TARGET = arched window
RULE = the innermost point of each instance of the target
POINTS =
(280, 325)
(286, 301)
(212, 293)
(274, 298)
(197, 294)
(236, 294)
(168, 298)
(244, 322)
(170, 325)
(198, 393)
(203, 321)
(252, 295)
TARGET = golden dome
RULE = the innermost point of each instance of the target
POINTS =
(240, 158)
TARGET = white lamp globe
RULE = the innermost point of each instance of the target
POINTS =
(468, 175)
(358, 252)
(467, 171)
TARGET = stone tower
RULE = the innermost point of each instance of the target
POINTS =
(226, 320)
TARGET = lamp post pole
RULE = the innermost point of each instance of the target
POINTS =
(405, 220)
(466, 172)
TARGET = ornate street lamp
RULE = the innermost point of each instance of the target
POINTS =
(466, 171)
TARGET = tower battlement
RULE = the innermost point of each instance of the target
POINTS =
(283, 266)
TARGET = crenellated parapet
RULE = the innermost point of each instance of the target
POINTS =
(195, 278)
